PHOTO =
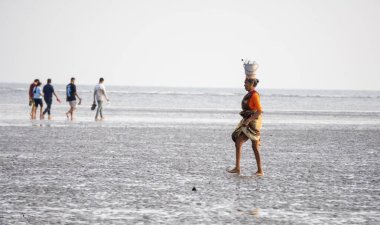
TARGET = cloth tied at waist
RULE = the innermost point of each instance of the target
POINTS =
(252, 131)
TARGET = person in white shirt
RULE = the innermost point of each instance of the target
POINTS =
(99, 96)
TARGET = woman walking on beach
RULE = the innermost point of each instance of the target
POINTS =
(31, 97)
(37, 97)
(249, 127)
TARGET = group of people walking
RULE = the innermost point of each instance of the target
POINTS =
(38, 94)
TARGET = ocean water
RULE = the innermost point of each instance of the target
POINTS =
(320, 152)
(165, 106)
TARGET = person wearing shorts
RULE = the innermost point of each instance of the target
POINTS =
(71, 94)
(37, 97)
(31, 97)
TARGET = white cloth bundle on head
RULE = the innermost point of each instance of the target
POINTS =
(250, 68)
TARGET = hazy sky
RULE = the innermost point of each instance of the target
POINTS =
(321, 44)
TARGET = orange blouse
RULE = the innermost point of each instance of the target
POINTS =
(254, 102)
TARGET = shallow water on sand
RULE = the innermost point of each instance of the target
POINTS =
(127, 175)
(207, 106)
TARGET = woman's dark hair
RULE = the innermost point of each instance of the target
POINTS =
(253, 81)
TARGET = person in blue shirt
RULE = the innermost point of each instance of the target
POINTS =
(48, 91)
(31, 99)
(37, 98)
(71, 94)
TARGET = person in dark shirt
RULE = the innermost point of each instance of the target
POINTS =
(71, 94)
(31, 96)
(48, 91)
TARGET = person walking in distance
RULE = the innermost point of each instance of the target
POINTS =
(48, 91)
(71, 94)
(37, 97)
(99, 96)
(31, 97)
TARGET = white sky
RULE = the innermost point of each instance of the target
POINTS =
(304, 44)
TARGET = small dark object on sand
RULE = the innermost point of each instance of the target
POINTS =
(194, 189)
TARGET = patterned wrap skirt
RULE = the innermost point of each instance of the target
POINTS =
(252, 131)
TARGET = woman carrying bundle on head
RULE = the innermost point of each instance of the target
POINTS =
(249, 127)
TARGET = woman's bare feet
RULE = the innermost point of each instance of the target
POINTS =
(259, 173)
(234, 170)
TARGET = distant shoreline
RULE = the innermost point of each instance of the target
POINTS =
(201, 87)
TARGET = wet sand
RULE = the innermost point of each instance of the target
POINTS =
(79, 174)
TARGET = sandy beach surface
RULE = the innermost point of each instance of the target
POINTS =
(94, 173)
(320, 153)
